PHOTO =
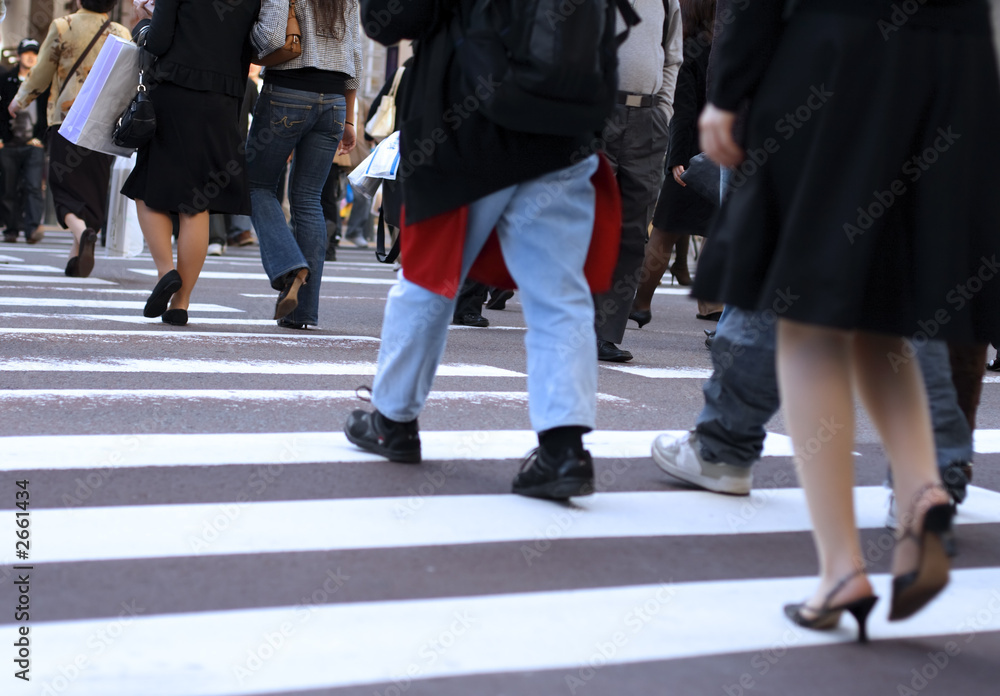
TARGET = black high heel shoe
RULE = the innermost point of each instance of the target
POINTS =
(827, 618)
(913, 590)
(641, 317)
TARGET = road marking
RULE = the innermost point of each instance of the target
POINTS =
(89, 290)
(139, 319)
(226, 275)
(53, 279)
(232, 367)
(99, 304)
(248, 395)
(218, 449)
(663, 372)
(171, 531)
(170, 334)
(318, 646)
(32, 268)
(10, 259)
(672, 291)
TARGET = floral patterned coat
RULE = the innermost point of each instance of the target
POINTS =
(68, 37)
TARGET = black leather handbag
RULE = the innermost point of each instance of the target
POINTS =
(702, 175)
(137, 124)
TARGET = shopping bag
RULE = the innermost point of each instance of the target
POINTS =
(124, 234)
(108, 89)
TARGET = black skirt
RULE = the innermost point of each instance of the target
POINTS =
(79, 179)
(681, 210)
(868, 199)
(195, 161)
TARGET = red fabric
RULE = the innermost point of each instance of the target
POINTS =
(432, 249)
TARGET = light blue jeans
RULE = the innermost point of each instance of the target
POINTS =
(544, 226)
(310, 125)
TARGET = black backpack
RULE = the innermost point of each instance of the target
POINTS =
(542, 66)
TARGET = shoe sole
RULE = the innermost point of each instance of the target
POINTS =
(397, 457)
(561, 489)
(86, 263)
(727, 484)
(616, 359)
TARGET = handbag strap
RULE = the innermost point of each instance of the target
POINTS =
(395, 83)
(86, 52)
(380, 252)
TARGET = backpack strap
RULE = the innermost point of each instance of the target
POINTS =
(631, 18)
(380, 252)
(86, 52)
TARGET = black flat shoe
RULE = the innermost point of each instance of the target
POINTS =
(286, 324)
(371, 431)
(160, 297)
(288, 298)
(73, 267)
(711, 316)
(176, 317)
(87, 242)
(477, 320)
(609, 352)
(827, 618)
(641, 317)
(912, 591)
(499, 300)
(559, 478)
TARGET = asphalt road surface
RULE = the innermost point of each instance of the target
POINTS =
(199, 526)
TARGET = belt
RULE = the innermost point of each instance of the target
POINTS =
(635, 100)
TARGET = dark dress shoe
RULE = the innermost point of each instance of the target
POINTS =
(10, 237)
(641, 317)
(371, 431)
(555, 478)
(498, 299)
(472, 320)
(711, 316)
(176, 317)
(160, 297)
(286, 324)
(608, 351)
(87, 242)
(73, 267)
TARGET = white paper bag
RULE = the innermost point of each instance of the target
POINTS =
(108, 89)
(124, 234)
(382, 163)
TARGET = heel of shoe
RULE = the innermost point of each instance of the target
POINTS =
(641, 317)
(288, 300)
(860, 610)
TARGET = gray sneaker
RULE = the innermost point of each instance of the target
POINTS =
(681, 458)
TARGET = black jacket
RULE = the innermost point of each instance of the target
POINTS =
(203, 45)
(451, 154)
(689, 100)
(9, 84)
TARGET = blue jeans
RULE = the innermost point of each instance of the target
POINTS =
(310, 125)
(22, 196)
(544, 247)
(742, 395)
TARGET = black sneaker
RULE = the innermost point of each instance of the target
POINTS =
(397, 442)
(568, 476)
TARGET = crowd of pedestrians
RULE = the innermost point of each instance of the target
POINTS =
(800, 116)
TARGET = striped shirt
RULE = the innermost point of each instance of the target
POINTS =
(321, 51)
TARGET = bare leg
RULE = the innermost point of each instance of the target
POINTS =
(814, 375)
(654, 265)
(158, 229)
(192, 247)
(77, 227)
(896, 400)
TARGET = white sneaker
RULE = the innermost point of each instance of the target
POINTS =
(215, 250)
(681, 458)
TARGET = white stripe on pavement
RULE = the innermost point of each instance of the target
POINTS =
(53, 279)
(169, 334)
(100, 304)
(663, 372)
(120, 451)
(231, 367)
(314, 646)
(139, 319)
(226, 275)
(33, 268)
(235, 395)
(171, 531)
(10, 259)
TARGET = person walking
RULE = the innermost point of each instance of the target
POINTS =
(195, 162)
(22, 157)
(849, 234)
(78, 177)
(303, 110)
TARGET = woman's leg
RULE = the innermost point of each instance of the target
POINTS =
(896, 400)
(192, 247)
(814, 376)
(76, 226)
(654, 265)
(680, 265)
(158, 229)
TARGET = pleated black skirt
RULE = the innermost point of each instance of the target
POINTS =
(195, 161)
(868, 199)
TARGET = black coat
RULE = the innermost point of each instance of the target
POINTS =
(451, 154)
(9, 84)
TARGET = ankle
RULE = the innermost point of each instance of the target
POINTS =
(556, 441)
